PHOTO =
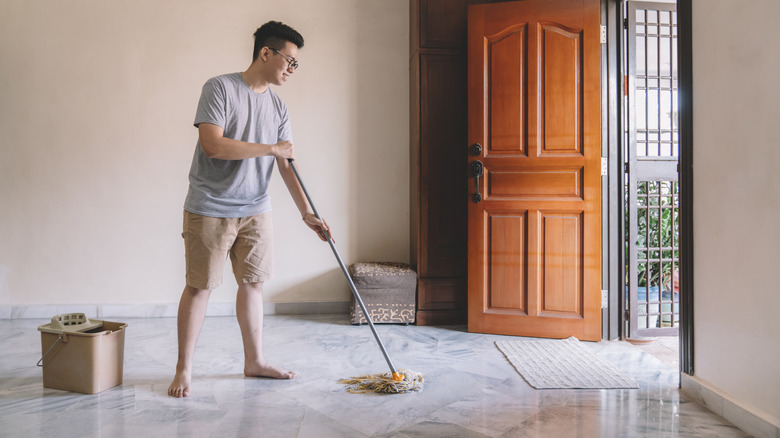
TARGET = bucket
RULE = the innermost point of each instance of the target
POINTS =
(81, 354)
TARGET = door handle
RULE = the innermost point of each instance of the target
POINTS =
(477, 169)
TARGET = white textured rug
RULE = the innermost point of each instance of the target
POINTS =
(562, 364)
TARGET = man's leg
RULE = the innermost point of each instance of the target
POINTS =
(192, 310)
(249, 311)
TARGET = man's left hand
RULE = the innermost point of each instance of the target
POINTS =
(319, 226)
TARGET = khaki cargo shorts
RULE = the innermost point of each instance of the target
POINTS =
(209, 240)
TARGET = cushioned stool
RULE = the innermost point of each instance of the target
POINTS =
(388, 290)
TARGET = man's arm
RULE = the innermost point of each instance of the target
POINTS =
(216, 146)
(307, 213)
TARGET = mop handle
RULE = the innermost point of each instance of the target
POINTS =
(344, 270)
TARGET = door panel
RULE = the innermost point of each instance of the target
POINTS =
(560, 61)
(444, 251)
(534, 105)
(507, 291)
(561, 264)
(507, 89)
(535, 183)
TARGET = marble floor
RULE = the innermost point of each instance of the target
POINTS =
(470, 389)
(664, 348)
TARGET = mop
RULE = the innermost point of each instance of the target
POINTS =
(394, 382)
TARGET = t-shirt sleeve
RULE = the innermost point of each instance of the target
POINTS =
(211, 106)
(285, 131)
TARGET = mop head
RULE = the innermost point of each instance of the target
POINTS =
(384, 383)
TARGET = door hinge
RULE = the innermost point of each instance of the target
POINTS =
(604, 166)
(625, 168)
(604, 298)
(603, 34)
(625, 23)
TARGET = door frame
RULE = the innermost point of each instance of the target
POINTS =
(613, 280)
(685, 88)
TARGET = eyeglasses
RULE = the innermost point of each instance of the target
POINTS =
(292, 63)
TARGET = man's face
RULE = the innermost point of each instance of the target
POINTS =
(282, 63)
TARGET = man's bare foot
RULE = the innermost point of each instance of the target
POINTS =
(266, 370)
(180, 387)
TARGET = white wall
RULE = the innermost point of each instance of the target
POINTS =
(737, 199)
(96, 138)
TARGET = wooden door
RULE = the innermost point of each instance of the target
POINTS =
(534, 108)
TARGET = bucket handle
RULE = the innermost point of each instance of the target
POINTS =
(40, 362)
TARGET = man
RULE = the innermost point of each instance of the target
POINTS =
(243, 128)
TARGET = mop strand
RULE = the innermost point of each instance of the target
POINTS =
(384, 383)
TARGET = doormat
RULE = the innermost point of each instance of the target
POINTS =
(562, 364)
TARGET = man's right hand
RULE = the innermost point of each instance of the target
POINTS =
(284, 149)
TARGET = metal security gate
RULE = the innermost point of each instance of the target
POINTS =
(652, 201)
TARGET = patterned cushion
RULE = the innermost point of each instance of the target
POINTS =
(376, 275)
(388, 290)
(382, 311)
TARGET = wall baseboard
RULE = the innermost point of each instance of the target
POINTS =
(751, 420)
(169, 310)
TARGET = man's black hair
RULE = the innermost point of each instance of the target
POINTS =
(273, 35)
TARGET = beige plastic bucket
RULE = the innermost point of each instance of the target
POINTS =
(82, 355)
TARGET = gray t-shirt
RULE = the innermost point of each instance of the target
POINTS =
(236, 188)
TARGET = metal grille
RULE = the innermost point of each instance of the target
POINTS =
(657, 247)
(652, 150)
(656, 83)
